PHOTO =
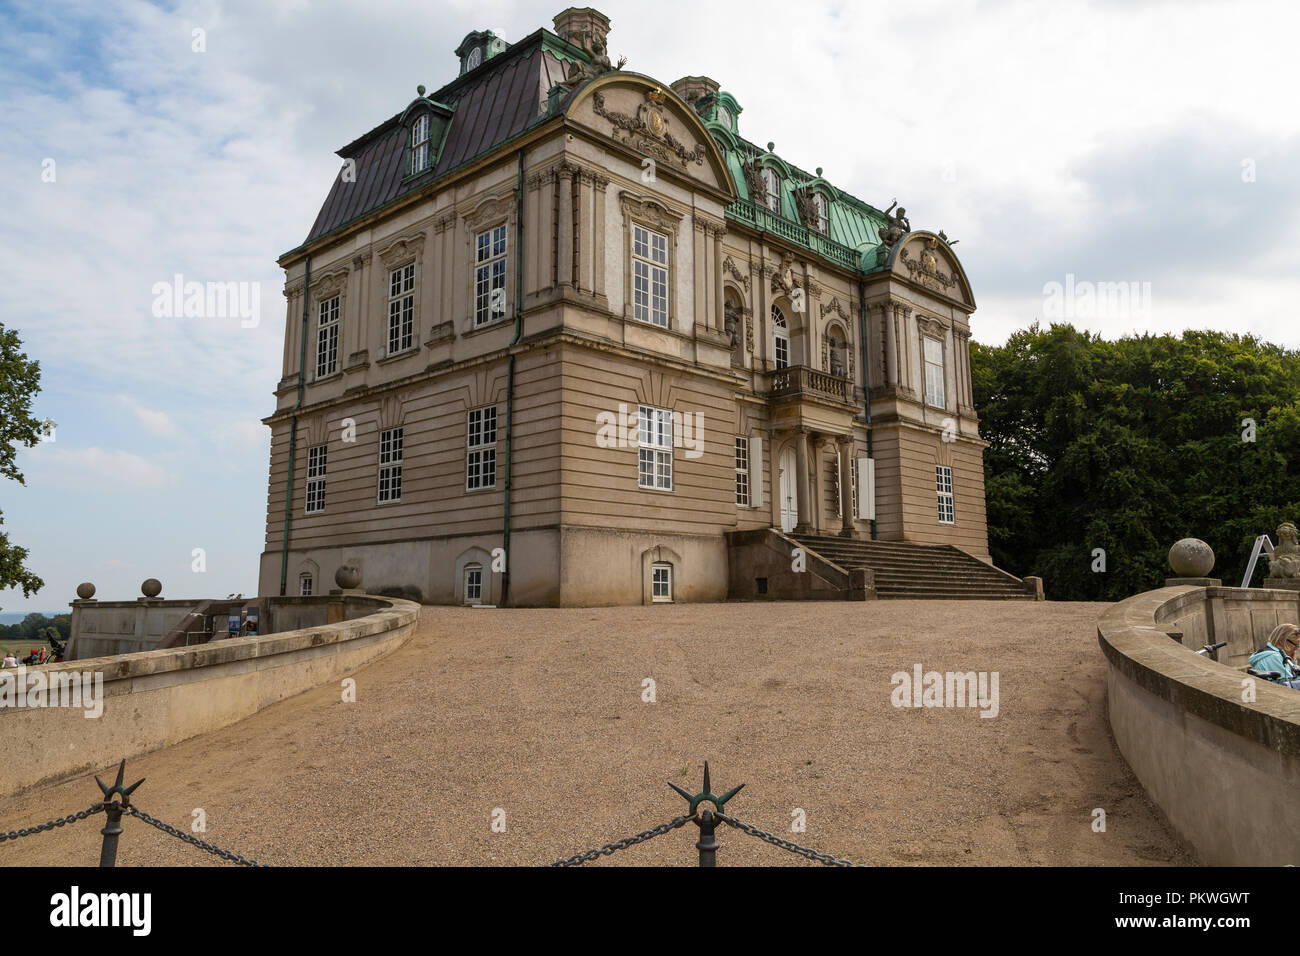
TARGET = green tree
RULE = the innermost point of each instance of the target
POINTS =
(1124, 447)
(20, 380)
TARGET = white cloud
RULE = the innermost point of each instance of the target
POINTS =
(154, 422)
(104, 466)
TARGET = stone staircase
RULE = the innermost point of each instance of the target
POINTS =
(905, 570)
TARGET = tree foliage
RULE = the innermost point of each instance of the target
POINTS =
(20, 380)
(1128, 446)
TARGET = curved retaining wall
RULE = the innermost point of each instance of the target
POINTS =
(152, 699)
(1225, 771)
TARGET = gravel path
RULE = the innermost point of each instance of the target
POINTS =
(540, 713)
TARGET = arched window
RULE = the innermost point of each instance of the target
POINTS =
(821, 209)
(780, 338)
(474, 59)
(772, 186)
(420, 143)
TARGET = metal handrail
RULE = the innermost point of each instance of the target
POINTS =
(1262, 544)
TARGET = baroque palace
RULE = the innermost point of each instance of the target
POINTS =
(562, 335)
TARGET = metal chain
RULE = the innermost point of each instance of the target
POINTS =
(185, 837)
(71, 818)
(609, 848)
(775, 840)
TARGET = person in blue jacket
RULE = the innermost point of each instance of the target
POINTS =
(1278, 654)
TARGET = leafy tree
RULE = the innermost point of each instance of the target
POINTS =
(20, 380)
(1128, 446)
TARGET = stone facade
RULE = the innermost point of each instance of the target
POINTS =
(616, 183)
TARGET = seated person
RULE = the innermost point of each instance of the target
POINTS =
(1278, 654)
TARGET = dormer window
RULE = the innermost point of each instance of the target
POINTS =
(821, 212)
(474, 59)
(772, 185)
(420, 144)
(723, 116)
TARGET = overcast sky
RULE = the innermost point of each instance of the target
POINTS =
(1152, 143)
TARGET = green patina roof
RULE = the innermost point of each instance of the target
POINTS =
(853, 240)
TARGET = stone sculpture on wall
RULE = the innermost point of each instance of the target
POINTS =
(1285, 561)
(897, 227)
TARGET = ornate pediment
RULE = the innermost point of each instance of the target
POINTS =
(927, 264)
(649, 130)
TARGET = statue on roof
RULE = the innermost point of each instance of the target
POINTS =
(897, 227)
(599, 63)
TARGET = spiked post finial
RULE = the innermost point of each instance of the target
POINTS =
(706, 793)
(117, 786)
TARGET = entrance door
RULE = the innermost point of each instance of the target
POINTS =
(789, 492)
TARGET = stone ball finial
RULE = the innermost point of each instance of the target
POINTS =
(151, 588)
(1191, 558)
(347, 577)
(85, 590)
(420, 89)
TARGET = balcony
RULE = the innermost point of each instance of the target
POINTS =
(763, 219)
(800, 381)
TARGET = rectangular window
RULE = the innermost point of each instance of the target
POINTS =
(662, 582)
(742, 472)
(853, 485)
(490, 275)
(649, 276)
(401, 309)
(934, 394)
(655, 454)
(943, 482)
(390, 465)
(481, 449)
(419, 144)
(473, 584)
(315, 479)
(305, 584)
(837, 509)
(327, 337)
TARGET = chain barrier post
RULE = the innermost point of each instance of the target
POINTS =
(707, 821)
(113, 809)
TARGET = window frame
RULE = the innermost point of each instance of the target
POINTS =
(474, 567)
(772, 187)
(655, 568)
(945, 494)
(314, 489)
(421, 147)
(392, 444)
(822, 207)
(648, 312)
(941, 367)
(306, 584)
(779, 321)
(477, 449)
(744, 495)
(652, 447)
(486, 272)
(328, 323)
(401, 307)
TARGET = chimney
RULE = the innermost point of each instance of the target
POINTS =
(694, 89)
(581, 25)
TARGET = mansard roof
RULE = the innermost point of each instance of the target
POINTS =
(490, 105)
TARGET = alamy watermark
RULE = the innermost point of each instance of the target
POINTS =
(21, 688)
(1096, 300)
(208, 300)
(625, 428)
(923, 688)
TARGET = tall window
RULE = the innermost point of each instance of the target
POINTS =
(742, 472)
(649, 276)
(327, 337)
(853, 485)
(780, 338)
(390, 465)
(661, 582)
(655, 455)
(420, 143)
(772, 186)
(943, 482)
(315, 479)
(481, 449)
(473, 584)
(305, 584)
(820, 209)
(401, 308)
(934, 394)
(490, 275)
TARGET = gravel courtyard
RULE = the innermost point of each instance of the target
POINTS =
(539, 713)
